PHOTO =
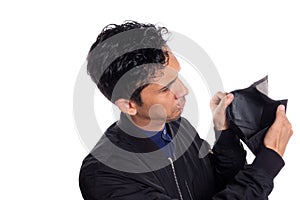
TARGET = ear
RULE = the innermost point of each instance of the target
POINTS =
(126, 106)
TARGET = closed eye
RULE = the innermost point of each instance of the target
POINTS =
(164, 89)
(167, 87)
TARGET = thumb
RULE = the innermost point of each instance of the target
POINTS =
(280, 111)
(227, 100)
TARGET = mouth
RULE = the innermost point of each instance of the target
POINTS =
(181, 103)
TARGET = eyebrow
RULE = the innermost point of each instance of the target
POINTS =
(169, 84)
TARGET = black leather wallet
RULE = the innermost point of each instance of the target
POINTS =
(252, 112)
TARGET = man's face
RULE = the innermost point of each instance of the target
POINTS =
(164, 99)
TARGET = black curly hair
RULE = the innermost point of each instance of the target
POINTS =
(131, 48)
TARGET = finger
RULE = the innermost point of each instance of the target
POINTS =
(280, 113)
(220, 94)
(217, 98)
(226, 100)
(281, 108)
(229, 98)
(280, 116)
(221, 100)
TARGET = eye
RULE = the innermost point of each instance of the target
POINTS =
(165, 89)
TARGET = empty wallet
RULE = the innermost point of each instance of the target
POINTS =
(252, 112)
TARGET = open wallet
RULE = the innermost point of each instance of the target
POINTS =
(252, 112)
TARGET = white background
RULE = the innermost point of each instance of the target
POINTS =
(43, 45)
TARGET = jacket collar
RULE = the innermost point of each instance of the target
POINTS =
(135, 136)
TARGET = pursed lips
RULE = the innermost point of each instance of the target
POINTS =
(181, 103)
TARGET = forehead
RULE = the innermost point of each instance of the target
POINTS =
(169, 72)
(173, 62)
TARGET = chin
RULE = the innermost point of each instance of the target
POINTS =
(174, 118)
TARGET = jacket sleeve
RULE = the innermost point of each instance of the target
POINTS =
(103, 185)
(228, 157)
(255, 181)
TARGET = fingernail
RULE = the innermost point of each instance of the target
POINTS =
(281, 107)
(230, 96)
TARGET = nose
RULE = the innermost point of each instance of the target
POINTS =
(179, 89)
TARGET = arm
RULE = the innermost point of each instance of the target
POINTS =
(229, 156)
(255, 181)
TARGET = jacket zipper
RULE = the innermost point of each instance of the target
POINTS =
(175, 177)
(188, 189)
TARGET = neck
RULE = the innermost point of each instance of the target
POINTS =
(148, 124)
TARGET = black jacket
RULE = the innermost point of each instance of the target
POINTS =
(128, 167)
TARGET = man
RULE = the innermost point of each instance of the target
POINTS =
(152, 152)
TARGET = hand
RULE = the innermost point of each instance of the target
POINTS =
(279, 133)
(218, 105)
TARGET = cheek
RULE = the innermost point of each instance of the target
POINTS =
(170, 106)
(161, 103)
(168, 96)
(157, 110)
